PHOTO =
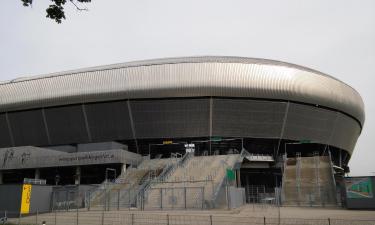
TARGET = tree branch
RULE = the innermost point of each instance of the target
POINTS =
(78, 8)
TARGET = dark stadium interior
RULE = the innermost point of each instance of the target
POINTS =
(17, 176)
(94, 174)
(160, 127)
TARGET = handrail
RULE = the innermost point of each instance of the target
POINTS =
(332, 172)
(285, 157)
(218, 187)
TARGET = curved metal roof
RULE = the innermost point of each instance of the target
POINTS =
(183, 77)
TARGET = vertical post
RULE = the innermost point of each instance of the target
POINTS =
(210, 219)
(19, 219)
(55, 217)
(66, 199)
(118, 199)
(132, 218)
(264, 220)
(202, 189)
(329, 221)
(36, 217)
(161, 198)
(227, 194)
(77, 222)
(37, 174)
(105, 200)
(210, 125)
(167, 219)
(77, 177)
(185, 196)
(89, 201)
(102, 217)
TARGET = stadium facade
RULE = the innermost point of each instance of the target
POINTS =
(218, 105)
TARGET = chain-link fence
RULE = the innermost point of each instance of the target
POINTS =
(307, 195)
(173, 198)
(77, 217)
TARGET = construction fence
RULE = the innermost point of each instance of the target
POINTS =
(77, 217)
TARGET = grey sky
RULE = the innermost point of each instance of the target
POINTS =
(335, 37)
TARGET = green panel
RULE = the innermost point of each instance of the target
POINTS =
(358, 187)
(231, 175)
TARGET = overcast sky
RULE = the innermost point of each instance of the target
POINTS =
(335, 37)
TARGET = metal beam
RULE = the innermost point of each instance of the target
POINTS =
(132, 124)
(46, 127)
(282, 129)
(210, 123)
(86, 122)
(9, 129)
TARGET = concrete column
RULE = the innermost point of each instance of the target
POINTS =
(238, 177)
(123, 169)
(1, 177)
(77, 177)
(37, 174)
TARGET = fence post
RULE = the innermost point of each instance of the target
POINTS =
(132, 218)
(118, 199)
(264, 220)
(36, 217)
(210, 219)
(167, 219)
(185, 196)
(161, 198)
(105, 200)
(66, 200)
(329, 221)
(55, 217)
(89, 201)
(102, 217)
(77, 217)
(203, 197)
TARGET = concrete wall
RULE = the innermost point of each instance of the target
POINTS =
(365, 202)
(10, 198)
(11, 194)
(40, 198)
(236, 197)
(100, 146)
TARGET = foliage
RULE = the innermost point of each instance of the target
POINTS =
(55, 11)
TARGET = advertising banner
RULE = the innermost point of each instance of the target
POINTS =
(358, 187)
(26, 197)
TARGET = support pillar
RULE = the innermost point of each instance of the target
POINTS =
(123, 169)
(77, 177)
(37, 174)
(238, 177)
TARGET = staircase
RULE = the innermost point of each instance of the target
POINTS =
(194, 183)
(308, 181)
(124, 191)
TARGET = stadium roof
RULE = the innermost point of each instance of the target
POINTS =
(183, 77)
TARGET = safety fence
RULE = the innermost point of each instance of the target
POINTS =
(161, 195)
(174, 198)
(77, 217)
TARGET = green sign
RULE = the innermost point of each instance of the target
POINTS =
(216, 139)
(358, 187)
(230, 175)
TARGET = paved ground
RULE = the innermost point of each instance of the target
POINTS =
(249, 214)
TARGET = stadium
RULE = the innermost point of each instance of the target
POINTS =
(257, 126)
